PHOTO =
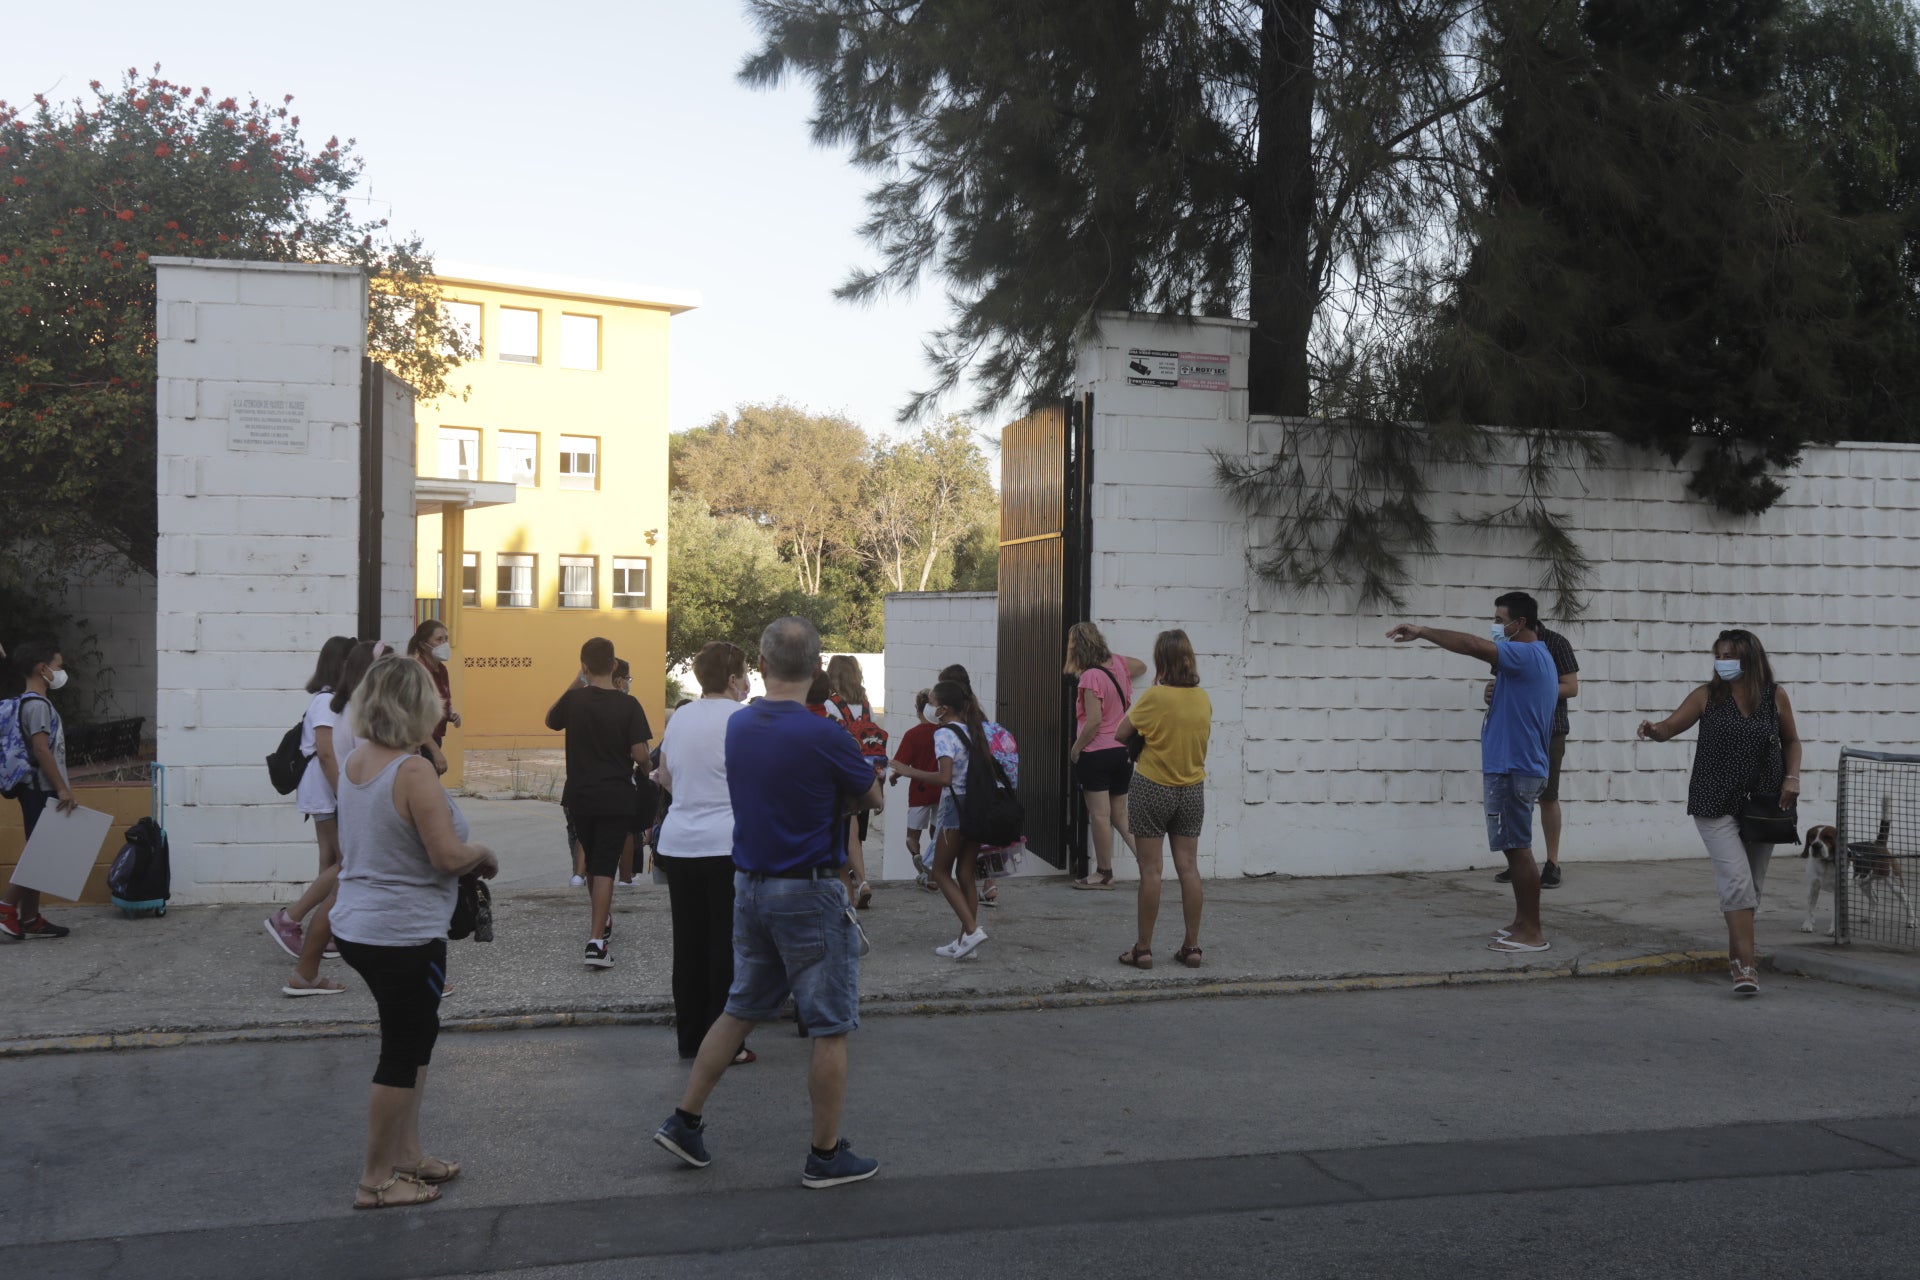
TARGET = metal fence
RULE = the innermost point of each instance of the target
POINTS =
(1876, 892)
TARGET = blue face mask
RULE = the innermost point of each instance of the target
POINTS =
(1727, 668)
(1499, 631)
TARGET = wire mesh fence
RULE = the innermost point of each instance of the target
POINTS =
(1877, 870)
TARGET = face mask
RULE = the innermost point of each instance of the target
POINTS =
(1499, 630)
(441, 652)
(1727, 668)
(58, 679)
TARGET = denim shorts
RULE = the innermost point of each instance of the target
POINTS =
(794, 936)
(1510, 801)
(949, 818)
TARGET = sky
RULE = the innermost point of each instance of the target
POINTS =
(603, 140)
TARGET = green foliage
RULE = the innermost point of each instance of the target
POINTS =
(89, 191)
(776, 511)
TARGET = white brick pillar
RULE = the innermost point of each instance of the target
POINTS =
(258, 482)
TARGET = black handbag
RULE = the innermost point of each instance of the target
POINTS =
(1136, 744)
(472, 911)
(1760, 817)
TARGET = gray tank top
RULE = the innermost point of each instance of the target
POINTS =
(390, 893)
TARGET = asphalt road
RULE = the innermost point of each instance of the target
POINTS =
(1635, 1127)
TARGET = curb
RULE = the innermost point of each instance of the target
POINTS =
(1834, 965)
(1662, 963)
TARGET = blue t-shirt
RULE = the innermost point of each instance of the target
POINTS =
(788, 774)
(1526, 686)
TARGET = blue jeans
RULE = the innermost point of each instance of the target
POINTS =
(795, 936)
(1510, 800)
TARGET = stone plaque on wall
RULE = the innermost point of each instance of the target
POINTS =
(268, 426)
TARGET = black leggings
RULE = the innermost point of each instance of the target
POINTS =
(700, 894)
(406, 983)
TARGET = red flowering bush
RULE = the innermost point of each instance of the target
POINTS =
(89, 191)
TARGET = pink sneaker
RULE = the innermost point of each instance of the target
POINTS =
(285, 931)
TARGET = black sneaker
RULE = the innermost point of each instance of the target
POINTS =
(41, 927)
(597, 957)
(1505, 877)
(1550, 876)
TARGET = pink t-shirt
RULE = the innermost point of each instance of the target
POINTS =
(1112, 708)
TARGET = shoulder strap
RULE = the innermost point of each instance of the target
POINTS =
(1126, 704)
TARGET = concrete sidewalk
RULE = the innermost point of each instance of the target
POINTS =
(211, 971)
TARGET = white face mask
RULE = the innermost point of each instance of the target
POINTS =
(58, 679)
(1727, 668)
(1499, 630)
(441, 652)
(931, 715)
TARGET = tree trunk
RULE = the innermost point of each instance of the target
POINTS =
(1280, 212)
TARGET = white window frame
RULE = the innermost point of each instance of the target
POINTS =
(507, 562)
(503, 468)
(576, 599)
(572, 342)
(457, 313)
(459, 436)
(469, 562)
(503, 335)
(627, 598)
(570, 455)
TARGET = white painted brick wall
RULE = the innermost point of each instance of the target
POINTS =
(259, 552)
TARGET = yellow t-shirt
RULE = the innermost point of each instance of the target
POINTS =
(1176, 724)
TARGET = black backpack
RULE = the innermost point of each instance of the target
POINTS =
(991, 815)
(141, 877)
(288, 762)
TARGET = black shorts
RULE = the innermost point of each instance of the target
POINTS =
(603, 836)
(406, 983)
(1556, 751)
(1105, 770)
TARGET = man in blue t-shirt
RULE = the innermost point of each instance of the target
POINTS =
(793, 777)
(1514, 741)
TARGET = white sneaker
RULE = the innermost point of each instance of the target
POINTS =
(951, 950)
(578, 882)
(968, 941)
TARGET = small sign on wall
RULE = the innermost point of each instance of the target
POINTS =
(268, 426)
(1189, 370)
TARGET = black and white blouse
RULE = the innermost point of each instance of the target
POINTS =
(1736, 755)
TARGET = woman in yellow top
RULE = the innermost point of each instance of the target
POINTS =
(1167, 798)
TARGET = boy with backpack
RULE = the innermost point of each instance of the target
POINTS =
(607, 735)
(33, 770)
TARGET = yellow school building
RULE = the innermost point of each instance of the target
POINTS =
(543, 495)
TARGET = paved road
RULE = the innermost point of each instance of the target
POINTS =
(1636, 1127)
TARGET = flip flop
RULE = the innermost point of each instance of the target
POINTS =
(1508, 947)
(324, 987)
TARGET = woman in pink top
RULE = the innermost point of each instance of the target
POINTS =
(1100, 764)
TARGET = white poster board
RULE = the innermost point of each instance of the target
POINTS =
(61, 852)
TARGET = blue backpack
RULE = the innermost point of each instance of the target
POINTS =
(16, 753)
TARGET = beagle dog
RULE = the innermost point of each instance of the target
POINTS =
(1875, 868)
(1820, 851)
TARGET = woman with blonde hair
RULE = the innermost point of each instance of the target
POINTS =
(847, 702)
(1168, 793)
(403, 849)
(1100, 763)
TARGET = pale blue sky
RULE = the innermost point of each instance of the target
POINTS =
(592, 139)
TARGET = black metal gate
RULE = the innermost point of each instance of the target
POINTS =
(1045, 556)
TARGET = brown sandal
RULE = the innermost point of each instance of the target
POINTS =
(1188, 956)
(1137, 957)
(448, 1170)
(424, 1193)
(1096, 880)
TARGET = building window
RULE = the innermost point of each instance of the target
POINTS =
(576, 582)
(632, 582)
(579, 462)
(579, 342)
(469, 577)
(519, 336)
(463, 318)
(459, 454)
(516, 457)
(513, 580)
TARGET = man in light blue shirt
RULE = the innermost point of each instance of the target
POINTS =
(1513, 745)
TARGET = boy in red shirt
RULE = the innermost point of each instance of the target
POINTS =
(916, 751)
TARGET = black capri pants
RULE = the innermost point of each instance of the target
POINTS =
(406, 983)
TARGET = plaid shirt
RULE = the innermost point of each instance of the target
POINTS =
(1567, 665)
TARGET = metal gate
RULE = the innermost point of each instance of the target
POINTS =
(1876, 891)
(1045, 555)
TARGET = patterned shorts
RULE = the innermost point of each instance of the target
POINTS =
(1156, 810)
